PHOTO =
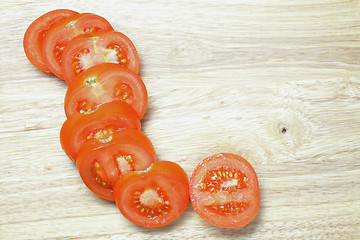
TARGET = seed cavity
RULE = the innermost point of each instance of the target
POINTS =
(223, 179)
(85, 107)
(99, 174)
(123, 91)
(229, 208)
(58, 51)
(119, 53)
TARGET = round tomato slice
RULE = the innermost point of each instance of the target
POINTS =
(107, 118)
(102, 83)
(224, 190)
(100, 163)
(62, 32)
(34, 35)
(88, 50)
(154, 197)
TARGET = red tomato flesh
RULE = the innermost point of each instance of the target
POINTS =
(34, 35)
(154, 197)
(88, 50)
(62, 32)
(107, 118)
(224, 190)
(102, 83)
(101, 163)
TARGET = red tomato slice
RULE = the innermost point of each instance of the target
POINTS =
(100, 163)
(34, 35)
(62, 32)
(154, 197)
(102, 83)
(224, 190)
(109, 117)
(88, 50)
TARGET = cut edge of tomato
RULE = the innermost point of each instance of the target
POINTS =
(37, 29)
(227, 213)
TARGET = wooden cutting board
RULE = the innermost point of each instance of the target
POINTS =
(277, 82)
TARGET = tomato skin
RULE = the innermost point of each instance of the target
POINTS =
(63, 31)
(105, 80)
(127, 142)
(218, 204)
(34, 35)
(88, 50)
(164, 176)
(80, 127)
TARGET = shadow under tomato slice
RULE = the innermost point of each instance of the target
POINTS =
(154, 197)
(224, 190)
(88, 50)
(34, 35)
(103, 83)
(62, 32)
(100, 124)
(101, 163)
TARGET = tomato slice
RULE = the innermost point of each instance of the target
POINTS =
(88, 50)
(102, 83)
(224, 190)
(34, 35)
(62, 32)
(100, 163)
(154, 197)
(107, 118)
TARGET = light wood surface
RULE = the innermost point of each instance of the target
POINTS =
(222, 76)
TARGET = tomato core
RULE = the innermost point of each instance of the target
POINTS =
(151, 202)
(125, 163)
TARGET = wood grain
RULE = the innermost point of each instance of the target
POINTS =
(277, 82)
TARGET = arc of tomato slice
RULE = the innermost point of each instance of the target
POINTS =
(100, 163)
(62, 32)
(224, 190)
(102, 83)
(34, 35)
(88, 50)
(154, 197)
(100, 124)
